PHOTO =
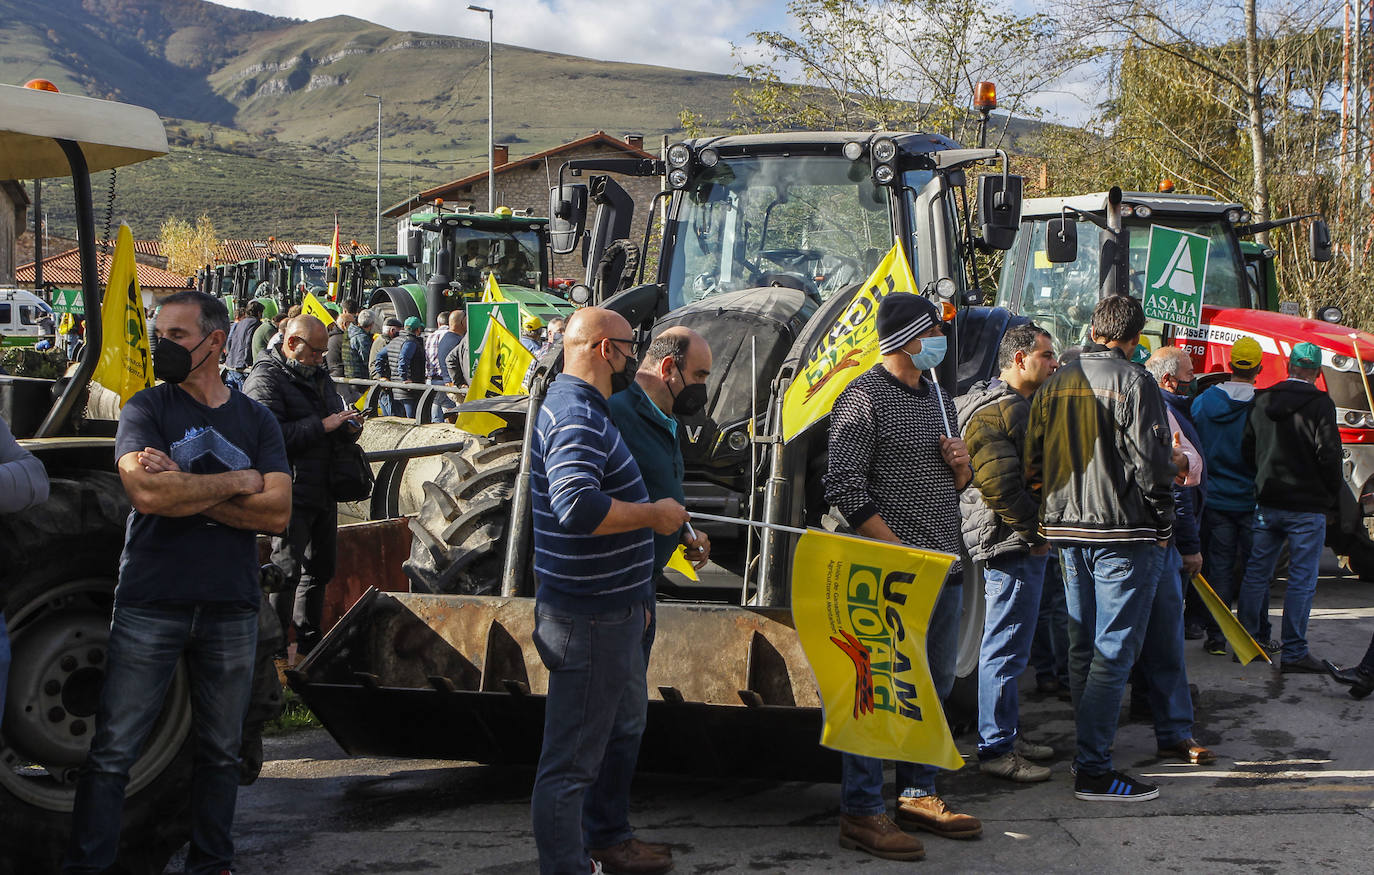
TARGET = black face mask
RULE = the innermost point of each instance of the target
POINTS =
(691, 399)
(172, 361)
(620, 381)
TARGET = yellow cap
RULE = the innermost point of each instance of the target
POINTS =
(534, 323)
(1246, 353)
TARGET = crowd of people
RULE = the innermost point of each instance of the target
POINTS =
(1086, 490)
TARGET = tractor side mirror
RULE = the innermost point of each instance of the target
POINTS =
(1319, 237)
(1061, 240)
(262, 270)
(331, 274)
(415, 243)
(999, 207)
(567, 216)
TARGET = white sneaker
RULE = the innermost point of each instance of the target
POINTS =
(1032, 751)
(1014, 767)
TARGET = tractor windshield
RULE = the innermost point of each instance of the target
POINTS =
(380, 273)
(1061, 297)
(511, 254)
(816, 224)
(310, 270)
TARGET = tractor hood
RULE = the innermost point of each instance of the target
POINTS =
(1225, 325)
(750, 332)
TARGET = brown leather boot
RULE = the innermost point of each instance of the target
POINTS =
(632, 857)
(879, 836)
(932, 815)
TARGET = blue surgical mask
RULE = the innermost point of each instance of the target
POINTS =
(931, 354)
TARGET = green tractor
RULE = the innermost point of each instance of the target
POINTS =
(453, 254)
(278, 281)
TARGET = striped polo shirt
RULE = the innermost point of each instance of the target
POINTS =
(578, 464)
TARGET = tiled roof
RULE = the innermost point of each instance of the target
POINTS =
(148, 247)
(64, 269)
(600, 138)
(231, 251)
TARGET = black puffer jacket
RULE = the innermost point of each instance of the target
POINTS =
(300, 405)
(999, 515)
(1097, 453)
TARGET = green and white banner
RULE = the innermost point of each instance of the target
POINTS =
(1175, 271)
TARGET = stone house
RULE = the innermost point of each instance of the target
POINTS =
(523, 184)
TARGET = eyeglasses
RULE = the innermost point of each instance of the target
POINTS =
(311, 346)
(635, 344)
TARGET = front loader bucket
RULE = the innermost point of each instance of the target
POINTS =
(458, 678)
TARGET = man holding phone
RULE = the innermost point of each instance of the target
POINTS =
(293, 383)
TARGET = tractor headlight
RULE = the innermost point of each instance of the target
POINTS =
(737, 440)
(677, 178)
(853, 150)
(709, 157)
(679, 155)
(885, 149)
(884, 174)
(1143, 212)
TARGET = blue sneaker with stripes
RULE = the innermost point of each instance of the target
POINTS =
(1112, 787)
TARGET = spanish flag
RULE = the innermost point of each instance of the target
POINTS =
(334, 261)
(840, 358)
(499, 371)
(126, 364)
(862, 610)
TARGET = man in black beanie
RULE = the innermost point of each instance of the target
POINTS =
(896, 466)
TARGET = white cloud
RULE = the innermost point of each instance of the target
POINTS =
(687, 34)
(682, 34)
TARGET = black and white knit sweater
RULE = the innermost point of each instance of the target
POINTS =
(885, 459)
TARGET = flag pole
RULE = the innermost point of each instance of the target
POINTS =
(738, 522)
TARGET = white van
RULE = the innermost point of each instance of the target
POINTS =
(20, 313)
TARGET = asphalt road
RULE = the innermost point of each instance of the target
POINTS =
(1292, 791)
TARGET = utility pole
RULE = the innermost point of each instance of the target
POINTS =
(491, 112)
(378, 249)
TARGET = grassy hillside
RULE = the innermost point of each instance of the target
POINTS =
(269, 120)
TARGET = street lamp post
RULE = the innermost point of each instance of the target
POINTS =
(377, 98)
(491, 112)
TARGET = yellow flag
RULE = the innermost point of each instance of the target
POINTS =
(678, 562)
(334, 261)
(862, 611)
(492, 294)
(311, 306)
(126, 365)
(1242, 643)
(499, 371)
(840, 357)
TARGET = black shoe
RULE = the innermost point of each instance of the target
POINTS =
(1193, 631)
(1364, 686)
(1271, 646)
(1047, 686)
(1307, 665)
(1215, 646)
(1112, 787)
(1347, 676)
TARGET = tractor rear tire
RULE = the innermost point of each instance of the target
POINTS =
(62, 559)
(459, 544)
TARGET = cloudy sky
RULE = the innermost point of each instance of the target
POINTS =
(686, 34)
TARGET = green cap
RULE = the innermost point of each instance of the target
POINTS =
(1305, 355)
(414, 324)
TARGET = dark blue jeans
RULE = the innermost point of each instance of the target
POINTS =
(606, 810)
(1012, 585)
(1109, 590)
(1161, 664)
(861, 780)
(1050, 646)
(1305, 534)
(1229, 542)
(404, 407)
(145, 645)
(593, 662)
